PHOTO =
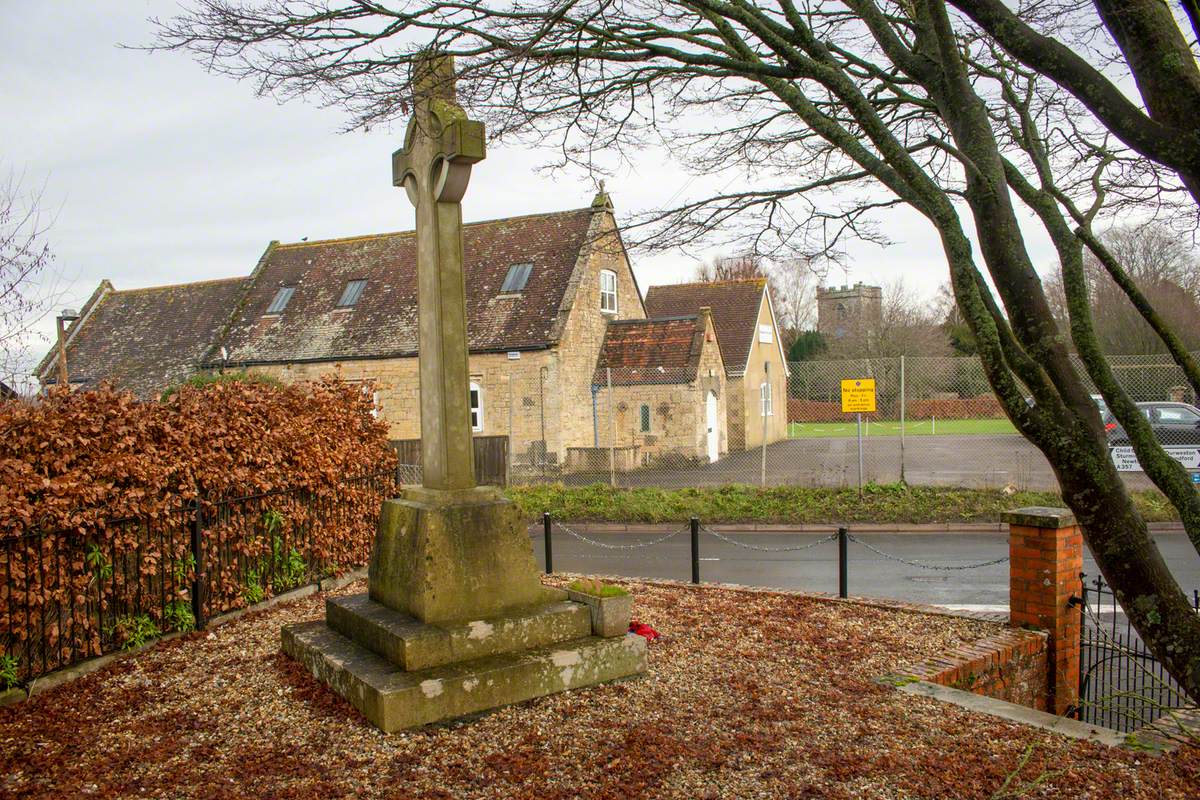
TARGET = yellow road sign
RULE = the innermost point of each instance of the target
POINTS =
(858, 395)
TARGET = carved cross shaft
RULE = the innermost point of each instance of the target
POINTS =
(434, 167)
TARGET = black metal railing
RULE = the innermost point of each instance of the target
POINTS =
(68, 595)
(1122, 685)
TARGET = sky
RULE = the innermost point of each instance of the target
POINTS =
(156, 172)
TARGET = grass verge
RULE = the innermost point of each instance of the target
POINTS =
(895, 503)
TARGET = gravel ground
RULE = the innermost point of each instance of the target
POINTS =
(749, 694)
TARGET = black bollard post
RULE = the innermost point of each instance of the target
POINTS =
(843, 564)
(695, 550)
(549, 548)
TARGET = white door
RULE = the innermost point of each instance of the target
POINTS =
(711, 417)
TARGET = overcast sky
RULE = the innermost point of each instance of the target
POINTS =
(161, 173)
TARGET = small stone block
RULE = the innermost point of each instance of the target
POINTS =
(1040, 517)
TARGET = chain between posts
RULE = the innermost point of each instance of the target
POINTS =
(797, 548)
(637, 546)
(923, 565)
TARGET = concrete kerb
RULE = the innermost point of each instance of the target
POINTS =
(73, 672)
(815, 527)
(1003, 709)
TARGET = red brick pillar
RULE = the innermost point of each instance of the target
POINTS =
(1045, 549)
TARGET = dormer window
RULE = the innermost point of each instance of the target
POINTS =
(351, 293)
(280, 301)
(517, 277)
(608, 291)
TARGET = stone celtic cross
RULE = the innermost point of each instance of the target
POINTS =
(434, 167)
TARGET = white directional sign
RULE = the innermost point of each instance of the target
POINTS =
(1126, 461)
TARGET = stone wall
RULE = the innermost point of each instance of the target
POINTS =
(517, 384)
(765, 362)
(583, 333)
(1008, 666)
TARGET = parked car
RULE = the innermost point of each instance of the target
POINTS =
(1175, 424)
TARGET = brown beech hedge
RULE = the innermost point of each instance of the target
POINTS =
(101, 495)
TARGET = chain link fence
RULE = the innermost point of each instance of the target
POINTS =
(936, 423)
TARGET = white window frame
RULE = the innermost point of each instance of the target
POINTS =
(765, 399)
(476, 391)
(607, 292)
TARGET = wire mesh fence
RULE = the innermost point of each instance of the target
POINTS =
(936, 423)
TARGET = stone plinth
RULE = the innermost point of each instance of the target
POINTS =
(453, 555)
(1045, 548)
(456, 620)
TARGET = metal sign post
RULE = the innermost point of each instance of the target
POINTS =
(858, 396)
(860, 460)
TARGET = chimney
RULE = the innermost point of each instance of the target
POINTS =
(704, 320)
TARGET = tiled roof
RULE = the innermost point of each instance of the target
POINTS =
(734, 307)
(145, 340)
(384, 321)
(6, 391)
(650, 351)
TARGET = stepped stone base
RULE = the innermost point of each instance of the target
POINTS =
(413, 645)
(455, 620)
(394, 699)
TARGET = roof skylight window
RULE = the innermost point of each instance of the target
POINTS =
(351, 293)
(517, 277)
(279, 303)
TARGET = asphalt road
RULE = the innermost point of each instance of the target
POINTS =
(971, 460)
(816, 569)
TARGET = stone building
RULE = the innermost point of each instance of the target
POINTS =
(852, 313)
(755, 364)
(658, 395)
(542, 291)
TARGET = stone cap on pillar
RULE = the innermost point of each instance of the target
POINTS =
(1040, 517)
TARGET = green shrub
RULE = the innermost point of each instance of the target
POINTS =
(202, 379)
(253, 590)
(100, 566)
(178, 616)
(184, 568)
(135, 631)
(290, 570)
(8, 671)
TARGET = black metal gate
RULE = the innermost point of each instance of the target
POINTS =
(1122, 685)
